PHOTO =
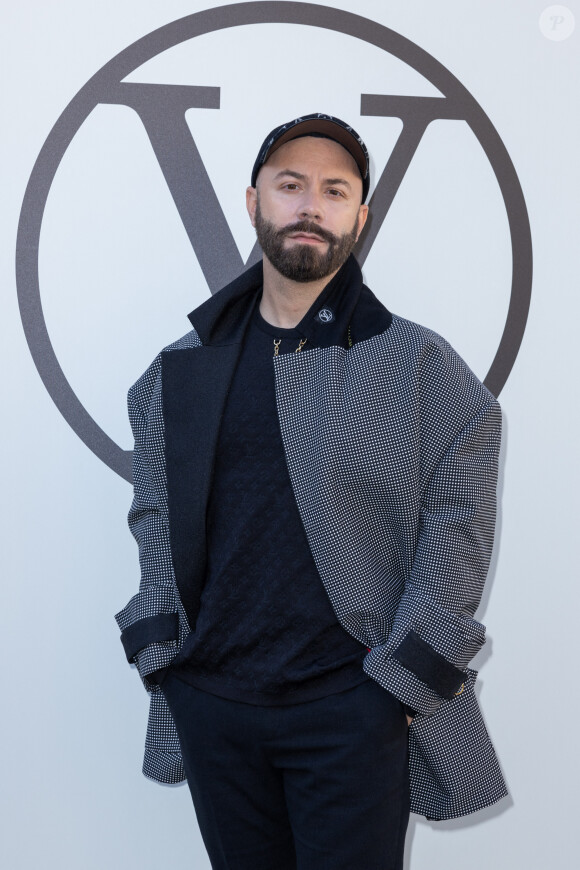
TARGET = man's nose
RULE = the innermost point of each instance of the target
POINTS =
(311, 206)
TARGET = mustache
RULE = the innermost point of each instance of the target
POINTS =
(308, 227)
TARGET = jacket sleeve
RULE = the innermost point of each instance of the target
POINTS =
(434, 635)
(149, 622)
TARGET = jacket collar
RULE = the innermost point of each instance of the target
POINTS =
(326, 323)
(222, 318)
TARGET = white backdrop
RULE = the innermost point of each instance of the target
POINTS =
(117, 277)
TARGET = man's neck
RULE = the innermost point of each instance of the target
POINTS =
(284, 302)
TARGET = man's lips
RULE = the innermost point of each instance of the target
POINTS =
(307, 238)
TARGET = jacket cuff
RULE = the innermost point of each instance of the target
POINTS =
(419, 657)
(152, 629)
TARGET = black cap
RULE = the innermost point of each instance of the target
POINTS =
(325, 126)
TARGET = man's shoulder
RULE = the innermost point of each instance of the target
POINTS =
(372, 319)
(427, 358)
(190, 339)
(421, 337)
(405, 334)
(142, 389)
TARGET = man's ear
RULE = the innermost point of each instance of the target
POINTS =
(251, 203)
(363, 214)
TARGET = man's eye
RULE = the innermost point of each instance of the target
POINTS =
(291, 185)
(335, 192)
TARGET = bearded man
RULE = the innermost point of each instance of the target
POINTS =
(314, 506)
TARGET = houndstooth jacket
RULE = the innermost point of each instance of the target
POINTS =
(392, 445)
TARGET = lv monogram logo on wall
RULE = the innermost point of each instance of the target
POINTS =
(162, 109)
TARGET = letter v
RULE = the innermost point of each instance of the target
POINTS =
(162, 111)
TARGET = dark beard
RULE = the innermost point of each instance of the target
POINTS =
(303, 263)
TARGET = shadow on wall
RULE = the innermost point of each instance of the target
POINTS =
(482, 657)
(480, 818)
(489, 813)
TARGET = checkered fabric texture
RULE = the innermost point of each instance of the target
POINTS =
(392, 449)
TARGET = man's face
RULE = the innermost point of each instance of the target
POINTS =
(306, 208)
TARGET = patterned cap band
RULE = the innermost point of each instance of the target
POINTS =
(317, 125)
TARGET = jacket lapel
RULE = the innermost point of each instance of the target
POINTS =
(195, 384)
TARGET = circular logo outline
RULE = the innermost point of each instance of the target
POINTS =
(197, 24)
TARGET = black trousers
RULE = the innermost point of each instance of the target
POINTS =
(322, 785)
